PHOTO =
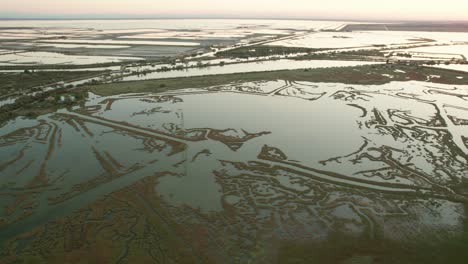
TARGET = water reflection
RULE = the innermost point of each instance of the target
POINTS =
(237, 173)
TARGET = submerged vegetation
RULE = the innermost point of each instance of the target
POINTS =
(288, 208)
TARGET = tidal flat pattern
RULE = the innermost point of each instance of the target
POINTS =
(242, 173)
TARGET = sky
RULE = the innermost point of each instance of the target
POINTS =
(295, 9)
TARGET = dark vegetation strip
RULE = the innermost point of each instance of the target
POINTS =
(365, 75)
(262, 51)
(11, 83)
(32, 106)
(27, 83)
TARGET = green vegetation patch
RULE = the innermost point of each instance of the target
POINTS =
(11, 83)
(262, 51)
(34, 105)
(375, 55)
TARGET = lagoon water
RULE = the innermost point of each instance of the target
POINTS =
(289, 160)
(247, 172)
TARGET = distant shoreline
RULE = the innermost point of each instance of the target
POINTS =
(234, 18)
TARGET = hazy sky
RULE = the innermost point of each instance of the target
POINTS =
(350, 9)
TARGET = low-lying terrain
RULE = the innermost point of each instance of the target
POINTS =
(366, 75)
(237, 141)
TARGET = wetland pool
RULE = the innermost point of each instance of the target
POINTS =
(247, 172)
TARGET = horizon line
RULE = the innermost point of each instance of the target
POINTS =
(130, 17)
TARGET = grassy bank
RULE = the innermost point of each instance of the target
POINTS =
(366, 75)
